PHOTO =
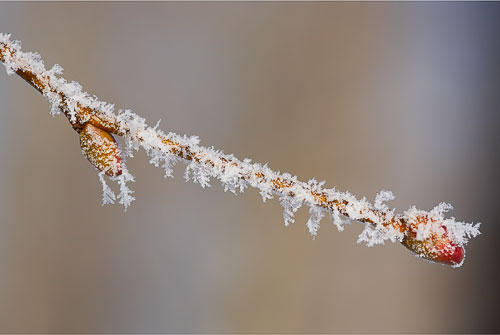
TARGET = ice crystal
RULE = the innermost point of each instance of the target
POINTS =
(378, 234)
(108, 196)
(198, 173)
(125, 196)
(382, 197)
(338, 221)
(316, 214)
(290, 205)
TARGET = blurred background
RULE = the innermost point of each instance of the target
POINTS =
(367, 96)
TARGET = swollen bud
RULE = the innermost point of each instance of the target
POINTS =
(101, 149)
(437, 247)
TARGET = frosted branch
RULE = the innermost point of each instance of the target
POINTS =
(428, 234)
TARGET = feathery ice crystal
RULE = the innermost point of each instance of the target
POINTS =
(428, 234)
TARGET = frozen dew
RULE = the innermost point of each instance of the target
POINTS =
(382, 197)
(290, 206)
(125, 196)
(198, 173)
(316, 214)
(337, 220)
(378, 234)
(108, 196)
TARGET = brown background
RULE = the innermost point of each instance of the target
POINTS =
(401, 96)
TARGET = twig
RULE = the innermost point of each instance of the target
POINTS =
(428, 234)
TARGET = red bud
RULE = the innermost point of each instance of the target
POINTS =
(437, 247)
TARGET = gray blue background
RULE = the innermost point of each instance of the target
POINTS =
(400, 96)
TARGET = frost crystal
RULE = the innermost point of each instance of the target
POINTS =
(373, 235)
(203, 164)
(314, 220)
(108, 196)
(337, 220)
(382, 197)
(198, 173)
(290, 205)
(125, 195)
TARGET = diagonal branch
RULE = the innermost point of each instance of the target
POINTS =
(428, 234)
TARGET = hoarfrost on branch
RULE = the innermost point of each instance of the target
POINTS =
(204, 164)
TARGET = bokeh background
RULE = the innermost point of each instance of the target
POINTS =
(400, 96)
